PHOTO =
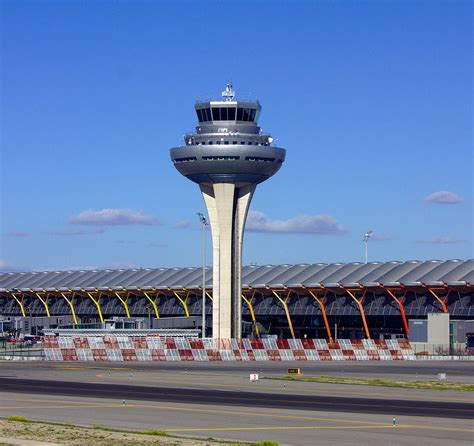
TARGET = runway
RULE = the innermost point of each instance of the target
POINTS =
(219, 401)
(234, 398)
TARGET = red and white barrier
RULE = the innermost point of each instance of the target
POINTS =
(153, 348)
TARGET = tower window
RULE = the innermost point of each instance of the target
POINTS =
(208, 114)
(231, 114)
(199, 115)
(216, 114)
(224, 114)
(239, 114)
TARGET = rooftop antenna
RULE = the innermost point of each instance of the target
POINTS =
(228, 94)
(366, 238)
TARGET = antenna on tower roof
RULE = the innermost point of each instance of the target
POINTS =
(228, 94)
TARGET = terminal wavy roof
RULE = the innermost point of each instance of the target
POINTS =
(374, 274)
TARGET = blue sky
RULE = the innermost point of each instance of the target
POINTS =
(372, 100)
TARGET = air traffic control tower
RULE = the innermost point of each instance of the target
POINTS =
(227, 156)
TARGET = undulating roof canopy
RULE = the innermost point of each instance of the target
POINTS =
(412, 273)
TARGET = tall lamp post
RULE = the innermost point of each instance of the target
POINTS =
(204, 223)
(367, 236)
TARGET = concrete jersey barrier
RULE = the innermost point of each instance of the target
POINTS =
(154, 348)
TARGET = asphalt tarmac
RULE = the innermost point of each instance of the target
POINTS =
(218, 400)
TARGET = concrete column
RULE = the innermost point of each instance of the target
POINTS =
(227, 207)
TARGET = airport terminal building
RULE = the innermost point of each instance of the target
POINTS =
(354, 300)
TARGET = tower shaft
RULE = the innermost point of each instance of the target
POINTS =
(227, 207)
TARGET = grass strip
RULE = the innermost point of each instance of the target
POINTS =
(428, 385)
(151, 432)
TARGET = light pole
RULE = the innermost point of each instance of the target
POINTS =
(367, 236)
(204, 223)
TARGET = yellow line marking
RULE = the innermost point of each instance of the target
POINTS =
(325, 391)
(368, 425)
(227, 398)
(385, 426)
(79, 406)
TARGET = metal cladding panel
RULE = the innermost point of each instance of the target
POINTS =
(354, 278)
(73, 279)
(179, 280)
(127, 279)
(258, 272)
(268, 277)
(414, 277)
(34, 280)
(6, 279)
(443, 268)
(162, 279)
(372, 278)
(459, 273)
(139, 277)
(287, 275)
(194, 280)
(393, 276)
(339, 276)
(159, 278)
(90, 278)
(111, 279)
(55, 277)
(302, 276)
(319, 277)
(16, 280)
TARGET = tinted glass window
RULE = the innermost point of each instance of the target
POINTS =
(239, 114)
(208, 114)
(199, 114)
(224, 114)
(252, 115)
(246, 114)
(231, 114)
(216, 115)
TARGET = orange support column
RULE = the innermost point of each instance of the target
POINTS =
(399, 301)
(442, 301)
(323, 309)
(361, 308)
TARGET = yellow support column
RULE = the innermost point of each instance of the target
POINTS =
(209, 295)
(153, 303)
(71, 306)
(249, 302)
(124, 302)
(20, 303)
(183, 302)
(323, 310)
(44, 302)
(285, 307)
(97, 304)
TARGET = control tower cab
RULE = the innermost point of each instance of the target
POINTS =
(227, 156)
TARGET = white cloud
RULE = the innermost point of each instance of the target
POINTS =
(442, 239)
(182, 224)
(17, 234)
(73, 232)
(305, 224)
(7, 267)
(444, 197)
(114, 217)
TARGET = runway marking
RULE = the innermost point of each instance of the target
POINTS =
(329, 392)
(368, 424)
(227, 398)
(385, 426)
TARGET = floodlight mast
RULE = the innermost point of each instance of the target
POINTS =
(366, 238)
(227, 157)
